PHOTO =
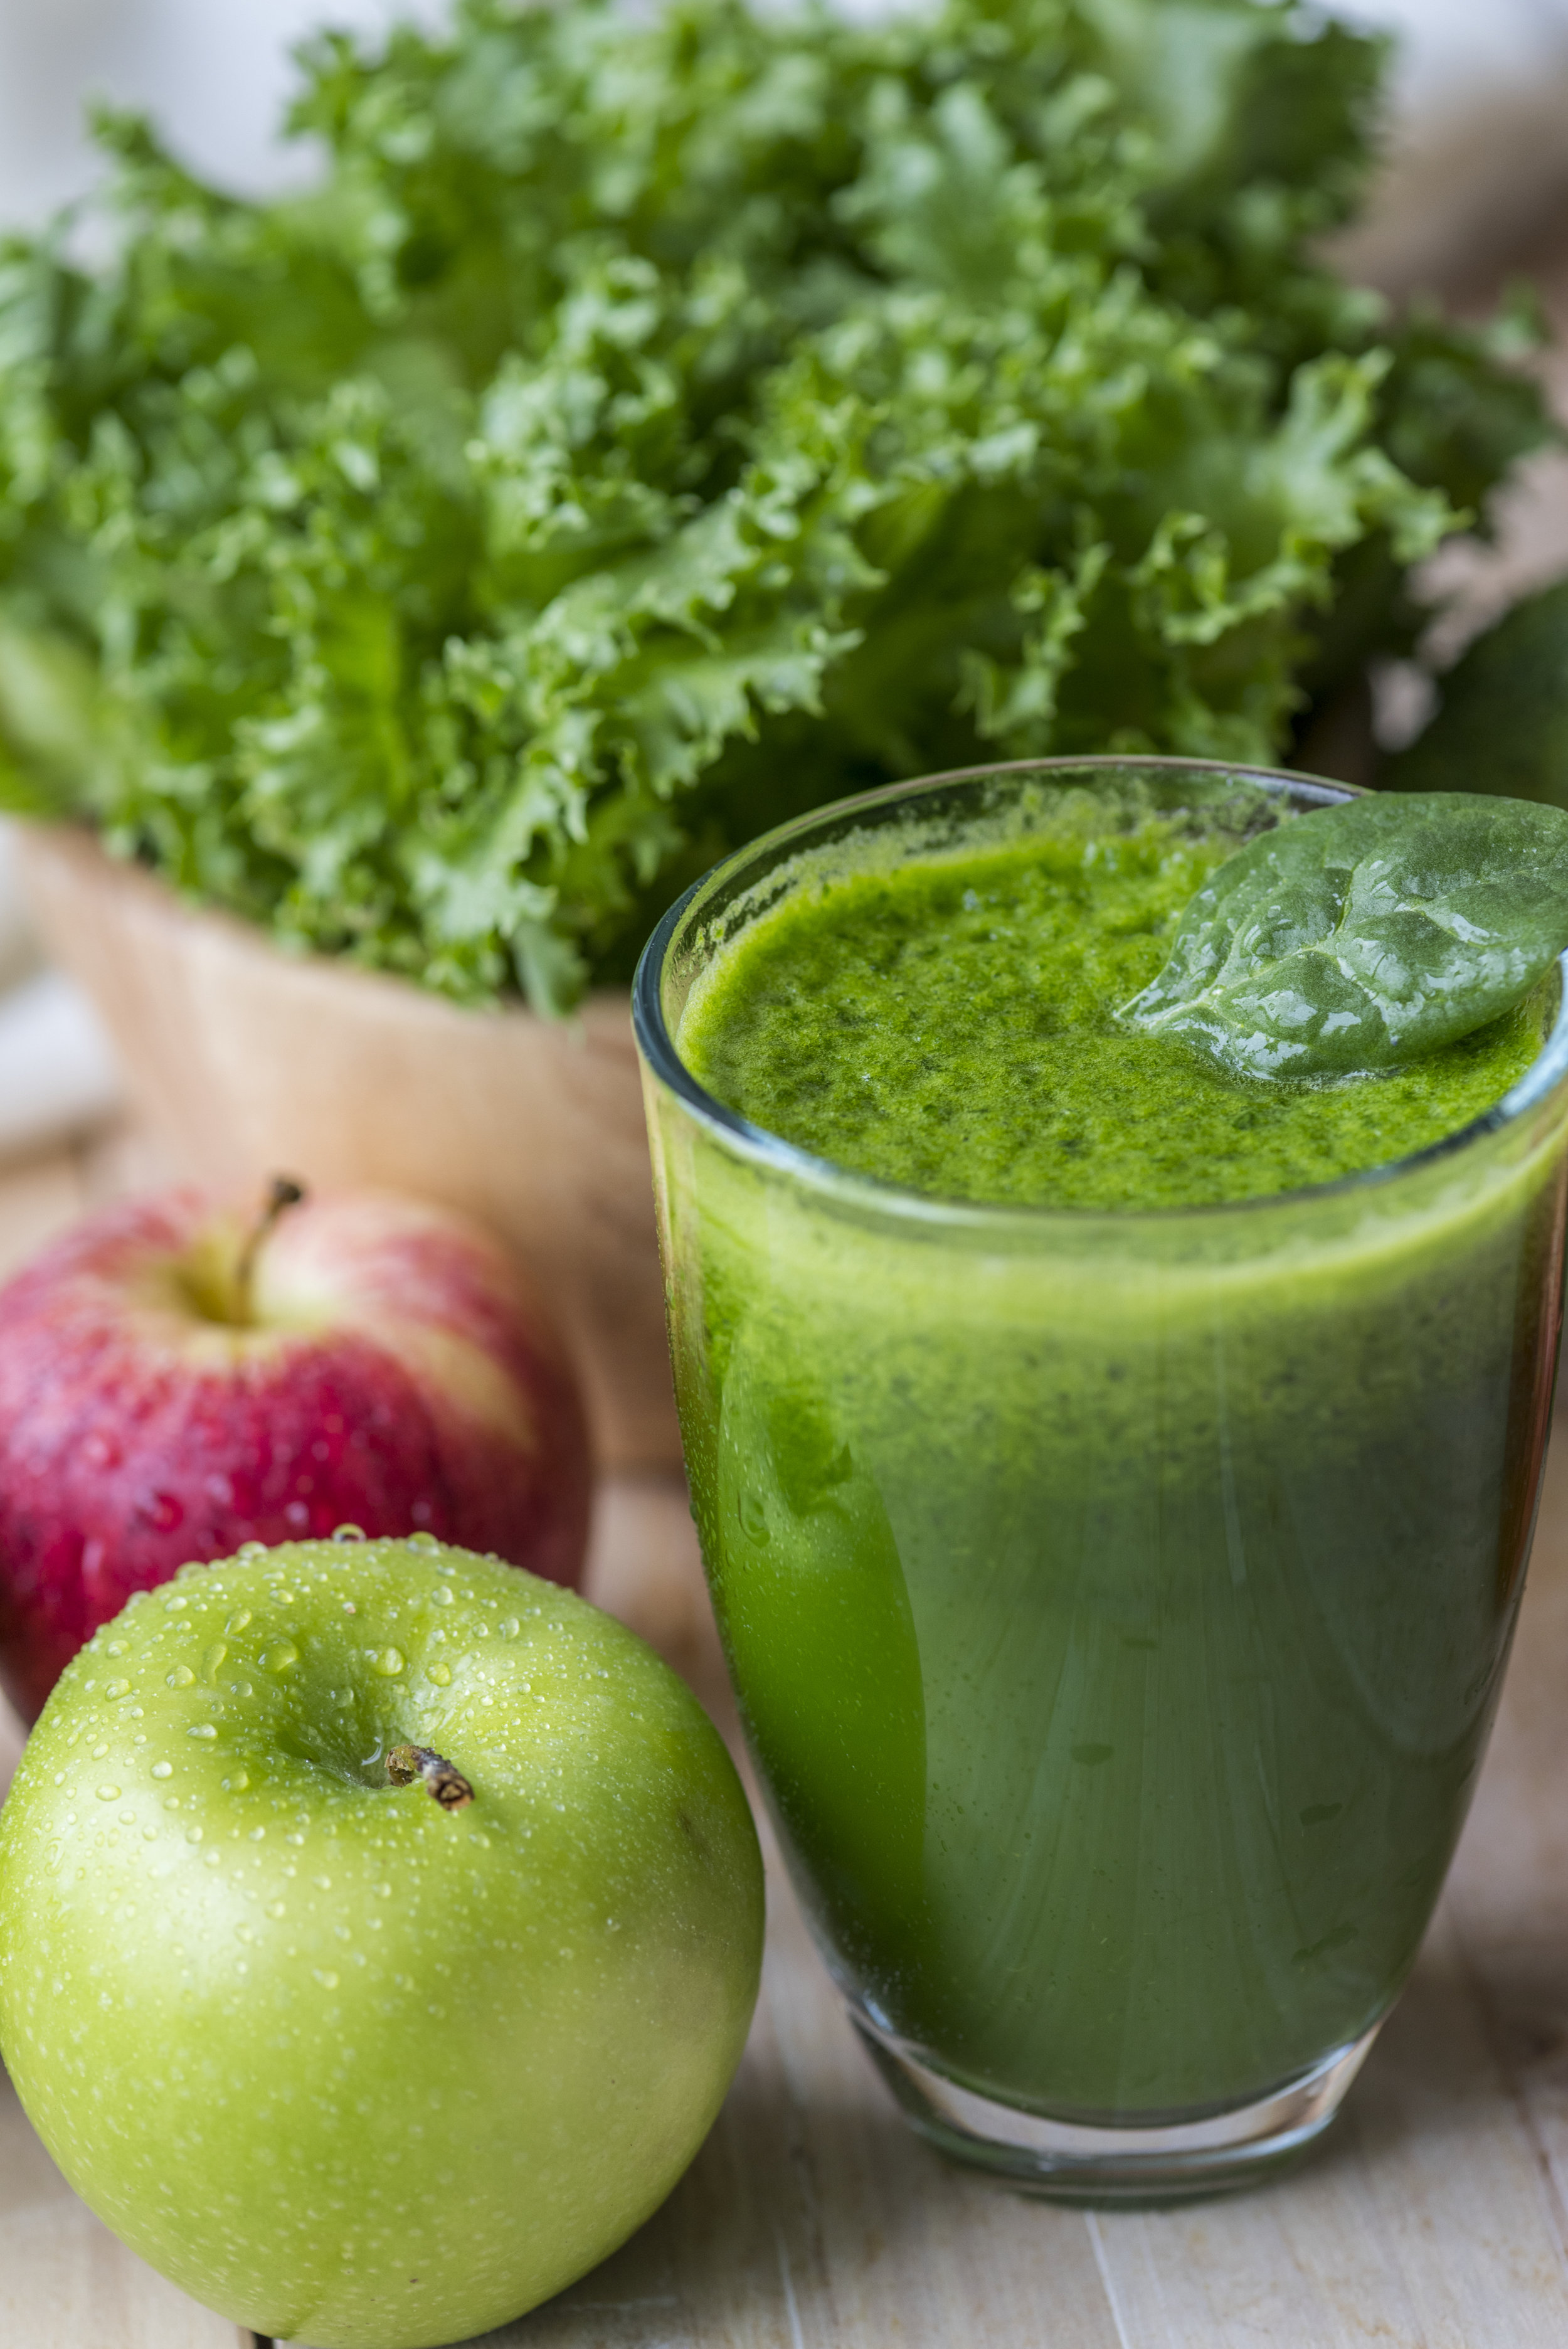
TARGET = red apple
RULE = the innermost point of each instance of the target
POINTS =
(178, 1377)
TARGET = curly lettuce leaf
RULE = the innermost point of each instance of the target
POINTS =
(651, 425)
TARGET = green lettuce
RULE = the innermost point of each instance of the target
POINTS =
(647, 427)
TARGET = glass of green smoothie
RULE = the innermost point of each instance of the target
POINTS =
(1115, 1479)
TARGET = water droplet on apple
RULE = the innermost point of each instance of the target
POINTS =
(348, 1532)
(440, 1673)
(508, 1627)
(238, 1621)
(422, 1540)
(98, 1752)
(276, 1908)
(238, 1783)
(201, 1729)
(440, 1595)
(251, 1550)
(181, 1677)
(114, 1689)
(52, 1856)
(216, 1654)
(390, 1662)
(193, 1834)
(281, 1657)
(258, 1835)
(322, 1883)
(163, 1769)
(127, 1819)
(149, 1835)
(325, 1977)
(114, 1647)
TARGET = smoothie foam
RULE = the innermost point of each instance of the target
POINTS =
(949, 1025)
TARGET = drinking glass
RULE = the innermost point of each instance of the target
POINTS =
(1116, 1602)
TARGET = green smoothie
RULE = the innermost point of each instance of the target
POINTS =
(1117, 1599)
(951, 1026)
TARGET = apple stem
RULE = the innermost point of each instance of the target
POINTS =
(446, 1785)
(283, 1193)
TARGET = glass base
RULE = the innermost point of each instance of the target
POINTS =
(1072, 2161)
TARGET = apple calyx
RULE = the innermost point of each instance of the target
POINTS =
(444, 1784)
(283, 1193)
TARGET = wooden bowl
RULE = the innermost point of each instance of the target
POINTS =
(247, 1062)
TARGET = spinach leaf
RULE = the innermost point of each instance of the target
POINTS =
(1364, 935)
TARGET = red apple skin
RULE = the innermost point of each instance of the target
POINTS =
(395, 1376)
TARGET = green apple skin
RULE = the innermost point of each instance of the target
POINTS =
(352, 2068)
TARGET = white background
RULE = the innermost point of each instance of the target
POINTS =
(214, 73)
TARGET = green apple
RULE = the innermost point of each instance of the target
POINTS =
(379, 1929)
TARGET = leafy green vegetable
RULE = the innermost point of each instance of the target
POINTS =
(652, 425)
(1362, 935)
(1502, 724)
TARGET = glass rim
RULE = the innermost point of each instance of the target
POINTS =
(874, 1193)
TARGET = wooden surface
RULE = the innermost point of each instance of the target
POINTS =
(1436, 2217)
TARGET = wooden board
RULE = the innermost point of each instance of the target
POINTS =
(1436, 2217)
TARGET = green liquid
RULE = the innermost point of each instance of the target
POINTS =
(952, 1028)
(1117, 1605)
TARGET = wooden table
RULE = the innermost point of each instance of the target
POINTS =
(1435, 2218)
